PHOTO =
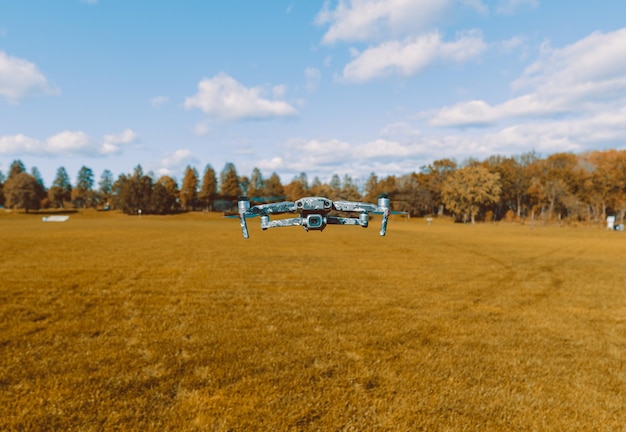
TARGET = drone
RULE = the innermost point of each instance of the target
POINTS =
(314, 213)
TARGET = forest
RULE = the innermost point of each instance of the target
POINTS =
(582, 187)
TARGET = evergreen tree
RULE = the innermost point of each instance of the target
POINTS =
(82, 194)
(41, 189)
(61, 189)
(17, 167)
(105, 186)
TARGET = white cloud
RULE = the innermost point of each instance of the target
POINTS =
(175, 163)
(20, 78)
(112, 143)
(326, 157)
(412, 55)
(19, 144)
(202, 128)
(400, 129)
(66, 143)
(279, 91)
(224, 98)
(477, 5)
(313, 77)
(158, 101)
(586, 77)
(69, 143)
(511, 7)
(402, 149)
(366, 20)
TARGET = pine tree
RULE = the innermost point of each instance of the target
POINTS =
(105, 187)
(82, 194)
(61, 189)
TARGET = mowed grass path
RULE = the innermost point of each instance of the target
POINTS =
(111, 322)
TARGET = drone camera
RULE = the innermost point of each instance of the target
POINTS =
(315, 222)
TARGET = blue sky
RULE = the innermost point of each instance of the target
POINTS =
(347, 87)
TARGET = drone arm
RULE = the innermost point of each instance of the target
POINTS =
(351, 206)
(266, 223)
(273, 208)
(362, 220)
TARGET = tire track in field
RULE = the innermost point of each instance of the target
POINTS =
(530, 270)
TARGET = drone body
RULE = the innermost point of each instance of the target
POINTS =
(314, 213)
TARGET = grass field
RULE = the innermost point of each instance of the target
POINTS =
(111, 322)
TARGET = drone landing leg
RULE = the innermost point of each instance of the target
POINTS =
(383, 204)
(244, 205)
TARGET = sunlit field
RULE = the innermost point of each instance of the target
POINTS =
(112, 322)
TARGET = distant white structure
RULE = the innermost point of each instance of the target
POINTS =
(55, 218)
(610, 222)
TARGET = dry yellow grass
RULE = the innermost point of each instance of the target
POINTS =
(110, 322)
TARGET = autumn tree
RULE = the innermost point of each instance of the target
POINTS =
(229, 181)
(412, 195)
(2, 180)
(256, 188)
(320, 189)
(435, 176)
(164, 196)
(208, 190)
(335, 186)
(22, 191)
(132, 193)
(470, 188)
(374, 187)
(349, 190)
(552, 182)
(189, 189)
(513, 181)
(61, 189)
(298, 187)
(274, 188)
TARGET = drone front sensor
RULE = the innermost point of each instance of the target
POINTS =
(314, 213)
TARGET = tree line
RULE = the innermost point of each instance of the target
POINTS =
(581, 187)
